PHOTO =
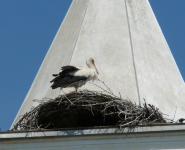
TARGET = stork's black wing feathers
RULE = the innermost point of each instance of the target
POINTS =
(71, 68)
(68, 79)
(66, 70)
(64, 78)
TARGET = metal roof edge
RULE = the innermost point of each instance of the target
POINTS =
(94, 131)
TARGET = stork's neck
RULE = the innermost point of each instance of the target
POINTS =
(90, 65)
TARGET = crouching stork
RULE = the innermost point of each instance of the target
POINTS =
(76, 77)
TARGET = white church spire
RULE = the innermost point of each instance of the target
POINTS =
(131, 54)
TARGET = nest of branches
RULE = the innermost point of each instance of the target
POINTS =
(86, 109)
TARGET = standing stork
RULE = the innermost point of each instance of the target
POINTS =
(71, 76)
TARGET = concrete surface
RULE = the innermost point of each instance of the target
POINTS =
(130, 52)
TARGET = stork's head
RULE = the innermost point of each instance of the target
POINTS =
(91, 64)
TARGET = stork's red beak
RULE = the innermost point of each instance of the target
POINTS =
(96, 69)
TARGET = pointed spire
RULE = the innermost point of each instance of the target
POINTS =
(130, 51)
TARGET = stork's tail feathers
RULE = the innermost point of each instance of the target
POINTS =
(54, 86)
(54, 75)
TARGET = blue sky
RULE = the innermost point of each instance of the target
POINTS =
(27, 28)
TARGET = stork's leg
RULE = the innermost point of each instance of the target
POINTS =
(60, 92)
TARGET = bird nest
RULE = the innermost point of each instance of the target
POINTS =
(86, 109)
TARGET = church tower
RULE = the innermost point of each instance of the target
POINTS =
(129, 49)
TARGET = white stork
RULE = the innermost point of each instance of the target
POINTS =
(76, 77)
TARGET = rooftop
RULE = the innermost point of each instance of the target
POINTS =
(156, 137)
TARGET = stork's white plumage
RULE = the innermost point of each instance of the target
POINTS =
(76, 77)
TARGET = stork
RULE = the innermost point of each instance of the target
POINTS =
(76, 77)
